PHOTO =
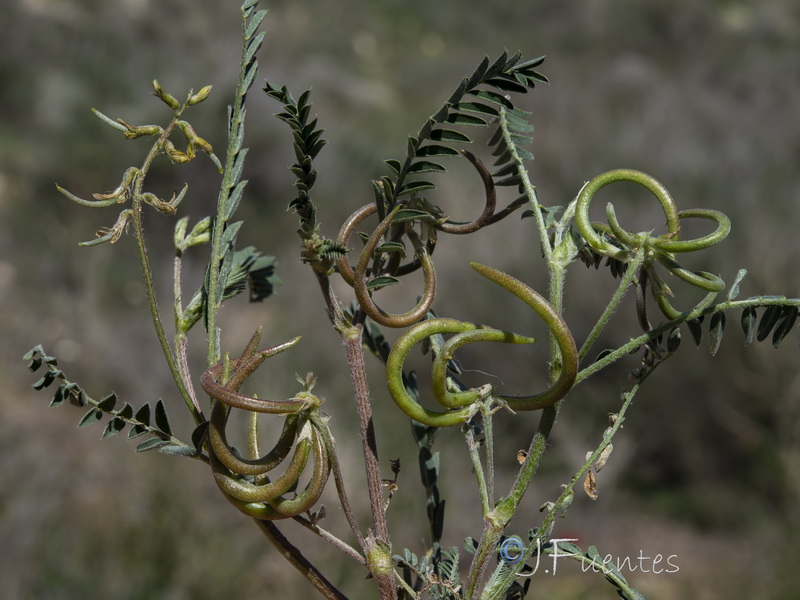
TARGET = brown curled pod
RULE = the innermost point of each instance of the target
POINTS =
(372, 310)
(488, 210)
(346, 232)
(349, 226)
(242, 368)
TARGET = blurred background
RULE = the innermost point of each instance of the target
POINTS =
(703, 96)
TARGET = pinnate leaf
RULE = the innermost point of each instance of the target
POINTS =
(151, 444)
(716, 331)
(162, 419)
(449, 135)
(768, 320)
(91, 417)
(114, 426)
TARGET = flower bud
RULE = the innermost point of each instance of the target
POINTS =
(180, 232)
(161, 205)
(199, 96)
(174, 154)
(164, 96)
(135, 131)
(203, 145)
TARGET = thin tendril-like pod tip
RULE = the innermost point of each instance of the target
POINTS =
(588, 191)
(701, 243)
(243, 368)
(477, 333)
(559, 329)
(394, 373)
(343, 265)
(702, 279)
(373, 311)
(489, 208)
(672, 313)
(346, 232)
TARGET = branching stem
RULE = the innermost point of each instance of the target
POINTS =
(147, 272)
(300, 562)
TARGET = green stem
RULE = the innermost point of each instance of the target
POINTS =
(614, 576)
(497, 585)
(497, 520)
(530, 190)
(331, 539)
(180, 335)
(484, 553)
(338, 478)
(406, 588)
(229, 180)
(685, 316)
(147, 272)
(477, 467)
(489, 443)
(625, 282)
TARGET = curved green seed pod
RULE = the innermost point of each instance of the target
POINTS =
(257, 510)
(373, 311)
(629, 239)
(593, 186)
(722, 231)
(559, 329)
(252, 496)
(476, 333)
(312, 492)
(285, 509)
(250, 492)
(671, 313)
(394, 373)
(702, 279)
(242, 466)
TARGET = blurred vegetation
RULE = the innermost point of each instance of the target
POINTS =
(701, 95)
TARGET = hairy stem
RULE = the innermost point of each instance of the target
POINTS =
(180, 335)
(332, 539)
(625, 282)
(685, 316)
(499, 584)
(488, 433)
(497, 520)
(378, 549)
(355, 358)
(477, 467)
(530, 190)
(300, 562)
(339, 480)
(147, 274)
